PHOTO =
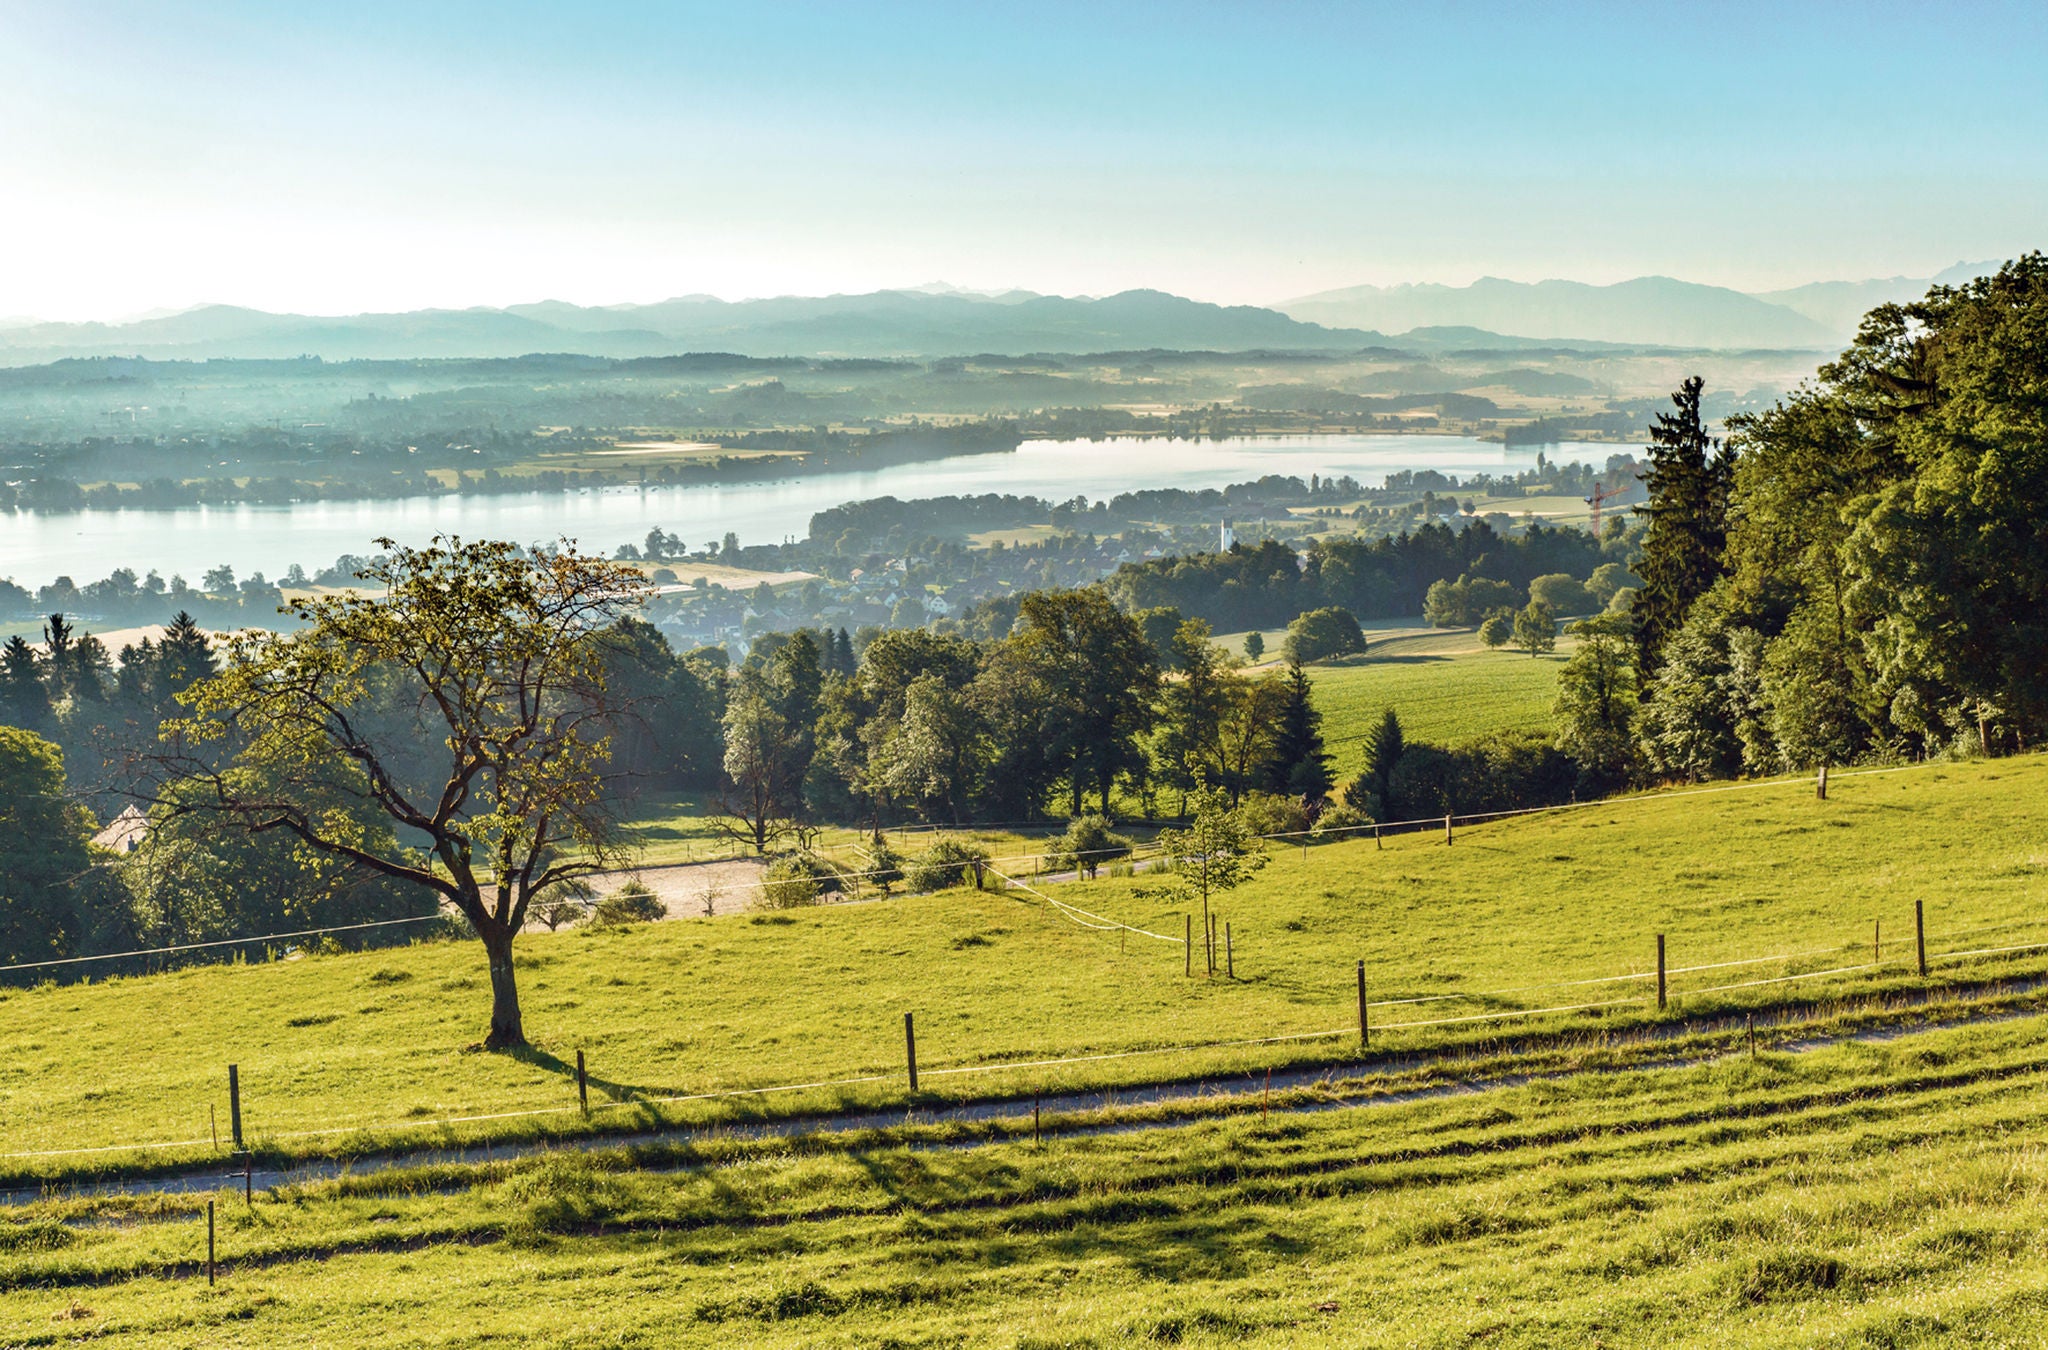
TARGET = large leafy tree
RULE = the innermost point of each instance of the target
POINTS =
(1193, 707)
(43, 836)
(1596, 705)
(1688, 483)
(466, 702)
(762, 795)
(1098, 670)
(1888, 521)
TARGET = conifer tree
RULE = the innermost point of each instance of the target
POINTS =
(1372, 792)
(1298, 764)
(1684, 548)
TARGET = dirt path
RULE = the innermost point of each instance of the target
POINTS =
(729, 887)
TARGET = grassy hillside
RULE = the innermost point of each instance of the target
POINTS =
(1868, 1195)
(1445, 687)
(1493, 923)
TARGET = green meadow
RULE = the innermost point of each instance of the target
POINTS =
(350, 1053)
(1445, 688)
(1866, 1195)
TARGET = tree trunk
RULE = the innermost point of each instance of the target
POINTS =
(507, 1032)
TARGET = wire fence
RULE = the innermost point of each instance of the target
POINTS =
(1361, 1030)
(1017, 888)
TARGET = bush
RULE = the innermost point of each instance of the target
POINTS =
(885, 864)
(1338, 821)
(1087, 845)
(630, 903)
(1505, 771)
(1323, 633)
(563, 904)
(1272, 813)
(945, 865)
(796, 880)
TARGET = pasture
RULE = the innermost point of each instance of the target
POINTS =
(349, 1053)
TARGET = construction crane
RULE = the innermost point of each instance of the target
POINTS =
(1600, 496)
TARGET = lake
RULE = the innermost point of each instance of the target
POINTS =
(87, 545)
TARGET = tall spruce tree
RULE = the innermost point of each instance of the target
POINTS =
(1685, 547)
(24, 698)
(1298, 764)
(1372, 792)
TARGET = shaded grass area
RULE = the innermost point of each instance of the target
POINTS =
(361, 1044)
(1866, 1195)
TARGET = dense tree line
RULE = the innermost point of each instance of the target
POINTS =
(1267, 585)
(1860, 573)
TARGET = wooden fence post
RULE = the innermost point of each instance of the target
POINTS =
(209, 1242)
(1920, 935)
(1447, 827)
(910, 1048)
(1376, 836)
(1229, 958)
(1660, 972)
(235, 1103)
(1820, 784)
(1364, 1030)
(1188, 944)
(582, 1084)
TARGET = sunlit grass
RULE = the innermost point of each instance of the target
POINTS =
(1867, 1195)
(1491, 923)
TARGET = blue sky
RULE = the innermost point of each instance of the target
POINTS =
(371, 156)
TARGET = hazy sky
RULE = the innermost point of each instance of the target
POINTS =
(343, 157)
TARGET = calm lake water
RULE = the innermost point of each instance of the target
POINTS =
(86, 545)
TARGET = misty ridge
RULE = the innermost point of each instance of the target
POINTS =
(938, 321)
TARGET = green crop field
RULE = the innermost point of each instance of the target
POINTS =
(1863, 1195)
(1446, 688)
(348, 1053)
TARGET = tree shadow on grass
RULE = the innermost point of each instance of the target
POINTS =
(610, 1088)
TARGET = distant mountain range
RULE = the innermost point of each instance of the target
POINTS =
(937, 320)
(1657, 311)
(882, 324)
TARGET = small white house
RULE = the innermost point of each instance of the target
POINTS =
(125, 833)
